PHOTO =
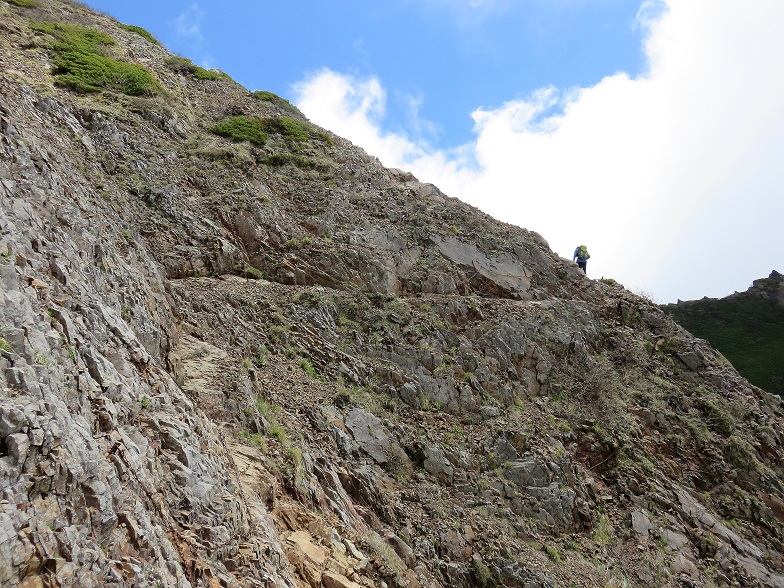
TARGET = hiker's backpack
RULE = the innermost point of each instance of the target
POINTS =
(582, 252)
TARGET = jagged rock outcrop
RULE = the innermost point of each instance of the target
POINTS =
(277, 363)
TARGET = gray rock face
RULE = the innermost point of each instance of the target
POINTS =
(371, 435)
(545, 485)
(641, 524)
(505, 272)
(436, 463)
(103, 471)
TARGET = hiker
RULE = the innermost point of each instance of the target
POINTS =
(582, 256)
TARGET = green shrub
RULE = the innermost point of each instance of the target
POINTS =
(294, 130)
(553, 553)
(341, 399)
(265, 96)
(741, 454)
(266, 409)
(307, 366)
(261, 356)
(603, 530)
(208, 74)
(241, 128)
(670, 345)
(254, 440)
(23, 3)
(717, 413)
(186, 66)
(253, 272)
(279, 335)
(482, 575)
(141, 32)
(80, 64)
(290, 128)
(256, 130)
(276, 100)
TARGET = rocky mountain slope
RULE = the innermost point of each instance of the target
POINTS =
(235, 350)
(747, 327)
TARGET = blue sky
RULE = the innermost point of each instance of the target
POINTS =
(440, 58)
(650, 130)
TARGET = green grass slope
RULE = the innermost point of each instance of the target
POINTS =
(748, 329)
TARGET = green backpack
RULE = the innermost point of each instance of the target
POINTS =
(582, 252)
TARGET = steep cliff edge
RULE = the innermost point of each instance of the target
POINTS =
(270, 361)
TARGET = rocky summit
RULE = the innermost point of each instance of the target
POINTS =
(235, 350)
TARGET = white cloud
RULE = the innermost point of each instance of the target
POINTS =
(340, 102)
(673, 179)
(188, 23)
(188, 26)
(648, 13)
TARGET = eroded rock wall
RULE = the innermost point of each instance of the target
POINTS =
(109, 472)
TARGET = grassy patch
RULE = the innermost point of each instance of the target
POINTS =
(42, 358)
(186, 66)
(391, 566)
(482, 575)
(275, 429)
(252, 272)
(308, 368)
(290, 128)
(358, 396)
(81, 64)
(670, 345)
(254, 440)
(141, 32)
(553, 553)
(241, 128)
(282, 103)
(603, 530)
(717, 412)
(256, 130)
(261, 357)
(266, 409)
(741, 454)
(23, 3)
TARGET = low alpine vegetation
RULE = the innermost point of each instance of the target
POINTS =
(186, 66)
(282, 103)
(256, 130)
(141, 32)
(80, 62)
(241, 128)
(290, 128)
(23, 3)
